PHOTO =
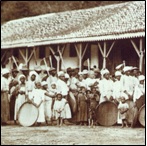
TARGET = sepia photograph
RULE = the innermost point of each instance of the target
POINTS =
(73, 73)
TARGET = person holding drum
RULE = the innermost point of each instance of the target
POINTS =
(106, 86)
(20, 94)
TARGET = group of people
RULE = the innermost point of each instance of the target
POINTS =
(50, 92)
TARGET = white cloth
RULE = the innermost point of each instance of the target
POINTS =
(4, 84)
(106, 89)
(37, 96)
(59, 106)
(19, 101)
(62, 87)
(127, 84)
(138, 92)
(51, 79)
(117, 90)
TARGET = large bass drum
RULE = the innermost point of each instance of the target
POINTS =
(107, 113)
(28, 114)
(141, 116)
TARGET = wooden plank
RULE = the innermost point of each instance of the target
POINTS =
(100, 49)
(61, 58)
(110, 49)
(3, 55)
(31, 55)
(22, 55)
(84, 50)
(80, 59)
(26, 55)
(104, 57)
(77, 50)
(15, 61)
(135, 47)
(35, 54)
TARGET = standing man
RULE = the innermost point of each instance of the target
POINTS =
(5, 111)
(12, 85)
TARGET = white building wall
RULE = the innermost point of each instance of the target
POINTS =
(94, 56)
(69, 61)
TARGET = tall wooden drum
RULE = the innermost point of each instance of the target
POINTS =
(28, 114)
(107, 113)
(141, 116)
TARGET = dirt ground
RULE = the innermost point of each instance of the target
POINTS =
(71, 135)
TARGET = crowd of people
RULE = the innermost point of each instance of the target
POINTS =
(50, 92)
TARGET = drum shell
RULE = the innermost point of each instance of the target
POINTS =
(107, 113)
(28, 114)
(141, 116)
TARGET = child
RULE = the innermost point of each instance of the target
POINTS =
(93, 103)
(123, 107)
(47, 102)
(82, 105)
(37, 98)
(59, 108)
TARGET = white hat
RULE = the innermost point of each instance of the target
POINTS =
(80, 73)
(44, 83)
(119, 66)
(105, 71)
(141, 77)
(73, 87)
(5, 71)
(20, 76)
(37, 68)
(127, 68)
(82, 85)
(33, 73)
(67, 76)
(118, 73)
(91, 72)
(61, 73)
(59, 92)
(85, 71)
(53, 83)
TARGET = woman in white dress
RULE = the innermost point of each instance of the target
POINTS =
(20, 93)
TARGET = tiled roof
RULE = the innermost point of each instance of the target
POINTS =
(117, 21)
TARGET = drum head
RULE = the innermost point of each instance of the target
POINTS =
(107, 113)
(141, 117)
(28, 114)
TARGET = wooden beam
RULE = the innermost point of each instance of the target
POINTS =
(84, 50)
(110, 49)
(31, 55)
(80, 59)
(61, 57)
(35, 56)
(141, 54)
(15, 61)
(77, 50)
(27, 56)
(3, 55)
(104, 57)
(135, 47)
(22, 55)
(100, 49)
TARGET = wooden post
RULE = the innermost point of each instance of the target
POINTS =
(140, 52)
(104, 58)
(141, 55)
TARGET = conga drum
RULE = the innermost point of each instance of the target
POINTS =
(107, 113)
(28, 114)
(140, 102)
(141, 116)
